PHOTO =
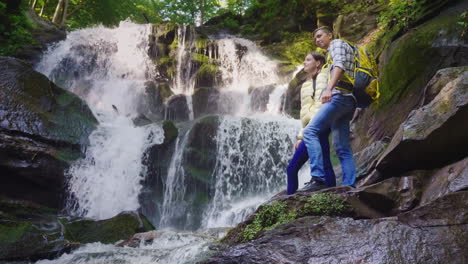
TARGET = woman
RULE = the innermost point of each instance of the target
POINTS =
(310, 93)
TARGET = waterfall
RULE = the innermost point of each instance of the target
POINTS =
(251, 159)
(108, 68)
(184, 82)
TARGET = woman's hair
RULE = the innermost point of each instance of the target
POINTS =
(318, 57)
(325, 29)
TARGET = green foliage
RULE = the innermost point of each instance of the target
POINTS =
(324, 204)
(170, 131)
(462, 24)
(230, 23)
(15, 31)
(266, 218)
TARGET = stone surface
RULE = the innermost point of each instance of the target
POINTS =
(177, 108)
(433, 135)
(259, 97)
(42, 129)
(205, 101)
(30, 232)
(406, 65)
(344, 240)
(293, 94)
(111, 230)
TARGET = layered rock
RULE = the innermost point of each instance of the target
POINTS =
(42, 128)
(31, 232)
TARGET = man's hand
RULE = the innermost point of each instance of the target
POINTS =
(326, 96)
(297, 144)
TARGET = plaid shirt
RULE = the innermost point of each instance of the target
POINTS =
(342, 55)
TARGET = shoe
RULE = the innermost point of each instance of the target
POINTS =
(313, 186)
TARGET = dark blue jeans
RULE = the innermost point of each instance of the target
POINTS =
(334, 116)
(301, 156)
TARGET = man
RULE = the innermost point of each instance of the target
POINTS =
(335, 114)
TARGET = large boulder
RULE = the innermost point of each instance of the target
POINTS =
(42, 129)
(406, 66)
(293, 94)
(433, 135)
(30, 232)
(438, 237)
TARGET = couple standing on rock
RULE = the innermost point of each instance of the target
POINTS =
(325, 82)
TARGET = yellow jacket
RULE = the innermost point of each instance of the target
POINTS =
(309, 105)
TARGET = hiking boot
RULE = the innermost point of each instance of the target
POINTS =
(313, 186)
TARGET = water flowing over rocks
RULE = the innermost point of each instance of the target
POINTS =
(31, 232)
(42, 128)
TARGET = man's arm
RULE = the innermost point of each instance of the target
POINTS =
(336, 75)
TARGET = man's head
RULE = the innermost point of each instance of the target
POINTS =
(323, 36)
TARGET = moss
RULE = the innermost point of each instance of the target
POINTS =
(267, 217)
(409, 65)
(202, 175)
(106, 231)
(11, 232)
(170, 131)
(67, 156)
(200, 57)
(324, 204)
(200, 43)
(206, 70)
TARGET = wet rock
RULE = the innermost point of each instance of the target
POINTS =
(42, 130)
(30, 232)
(406, 66)
(205, 101)
(433, 135)
(177, 108)
(344, 240)
(139, 238)
(111, 230)
(293, 94)
(260, 97)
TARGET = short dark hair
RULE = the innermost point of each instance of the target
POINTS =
(325, 29)
(318, 57)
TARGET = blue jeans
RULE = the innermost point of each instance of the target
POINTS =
(301, 156)
(334, 116)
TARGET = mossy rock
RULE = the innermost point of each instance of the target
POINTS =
(29, 231)
(38, 107)
(170, 131)
(107, 231)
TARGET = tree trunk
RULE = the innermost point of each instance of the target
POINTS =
(42, 9)
(202, 12)
(56, 17)
(34, 5)
(64, 15)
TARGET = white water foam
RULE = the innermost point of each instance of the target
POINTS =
(108, 68)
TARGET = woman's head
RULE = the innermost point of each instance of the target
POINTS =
(313, 62)
(323, 36)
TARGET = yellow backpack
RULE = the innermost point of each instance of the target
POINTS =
(365, 85)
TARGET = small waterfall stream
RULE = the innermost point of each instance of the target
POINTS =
(109, 68)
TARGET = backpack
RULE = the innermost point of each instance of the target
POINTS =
(365, 85)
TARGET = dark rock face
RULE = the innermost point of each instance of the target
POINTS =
(205, 101)
(42, 128)
(436, 233)
(433, 135)
(293, 94)
(119, 227)
(260, 97)
(406, 66)
(157, 159)
(177, 108)
(31, 232)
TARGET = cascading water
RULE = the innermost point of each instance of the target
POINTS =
(184, 82)
(108, 68)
